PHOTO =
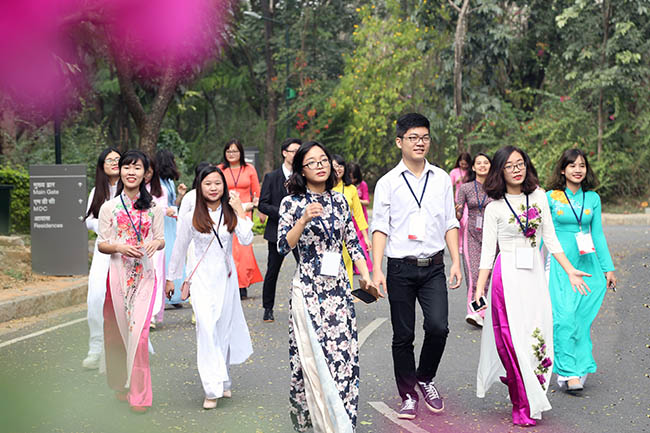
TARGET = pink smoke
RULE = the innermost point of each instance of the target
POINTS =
(42, 71)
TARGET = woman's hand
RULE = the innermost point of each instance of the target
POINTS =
(151, 247)
(130, 251)
(236, 204)
(256, 200)
(576, 281)
(169, 289)
(479, 293)
(170, 212)
(611, 280)
(312, 211)
(182, 189)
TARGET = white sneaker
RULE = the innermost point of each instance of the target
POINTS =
(474, 319)
(92, 361)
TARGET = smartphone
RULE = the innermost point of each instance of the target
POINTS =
(364, 296)
(476, 306)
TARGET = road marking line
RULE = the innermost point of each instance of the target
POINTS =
(389, 413)
(44, 331)
(372, 327)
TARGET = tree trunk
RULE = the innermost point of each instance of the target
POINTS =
(459, 43)
(603, 63)
(272, 97)
(148, 125)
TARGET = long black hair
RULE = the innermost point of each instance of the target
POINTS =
(569, 156)
(201, 219)
(297, 184)
(155, 188)
(102, 184)
(197, 172)
(166, 165)
(130, 157)
(471, 174)
(346, 173)
(495, 183)
(242, 158)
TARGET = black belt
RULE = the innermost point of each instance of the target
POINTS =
(436, 259)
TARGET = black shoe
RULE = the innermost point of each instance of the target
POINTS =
(179, 305)
(431, 396)
(243, 293)
(409, 408)
(268, 315)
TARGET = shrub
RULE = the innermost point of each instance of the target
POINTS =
(19, 178)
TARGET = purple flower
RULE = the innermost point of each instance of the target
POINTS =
(530, 232)
(546, 362)
(543, 348)
(533, 213)
(541, 379)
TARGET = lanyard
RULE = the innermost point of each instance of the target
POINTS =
(218, 226)
(138, 233)
(329, 233)
(426, 181)
(523, 230)
(480, 202)
(233, 176)
(574, 211)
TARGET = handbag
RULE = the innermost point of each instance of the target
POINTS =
(185, 288)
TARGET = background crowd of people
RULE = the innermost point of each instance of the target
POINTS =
(159, 244)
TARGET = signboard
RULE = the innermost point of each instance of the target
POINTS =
(57, 198)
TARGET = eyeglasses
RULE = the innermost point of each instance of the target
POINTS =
(291, 151)
(511, 167)
(312, 165)
(232, 151)
(414, 139)
(112, 161)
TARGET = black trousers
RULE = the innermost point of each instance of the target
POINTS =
(273, 266)
(406, 284)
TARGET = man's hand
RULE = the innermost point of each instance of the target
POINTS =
(455, 277)
(379, 280)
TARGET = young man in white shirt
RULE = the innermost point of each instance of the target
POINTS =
(413, 220)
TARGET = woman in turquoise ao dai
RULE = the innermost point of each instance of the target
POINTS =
(576, 209)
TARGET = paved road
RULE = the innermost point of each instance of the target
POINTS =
(44, 389)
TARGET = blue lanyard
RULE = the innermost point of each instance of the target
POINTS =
(138, 233)
(426, 181)
(218, 226)
(523, 230)
(574, 211)
(329, 233)
(480, 202)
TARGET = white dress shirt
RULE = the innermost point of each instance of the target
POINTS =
(287, 172)
(394, 204)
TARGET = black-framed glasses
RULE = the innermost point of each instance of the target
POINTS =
(414, 139)
(511, 167)
(313, 165)
(232, 151)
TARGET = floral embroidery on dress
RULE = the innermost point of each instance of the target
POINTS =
(559, 196)
(534, 218)
(540, 353)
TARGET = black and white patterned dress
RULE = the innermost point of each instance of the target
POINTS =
(329, 307)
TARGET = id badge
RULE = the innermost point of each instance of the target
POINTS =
(479, 223)
(146, 262)
(524, 258)
(585, 243)
(330, 264)
(416, 227)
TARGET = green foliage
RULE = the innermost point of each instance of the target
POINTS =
(19, 178)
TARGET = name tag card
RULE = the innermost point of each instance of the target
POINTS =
(416, 227)
(146, 263)
(330, 264)
(585, 243)
(524, 258)
(479, 223)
